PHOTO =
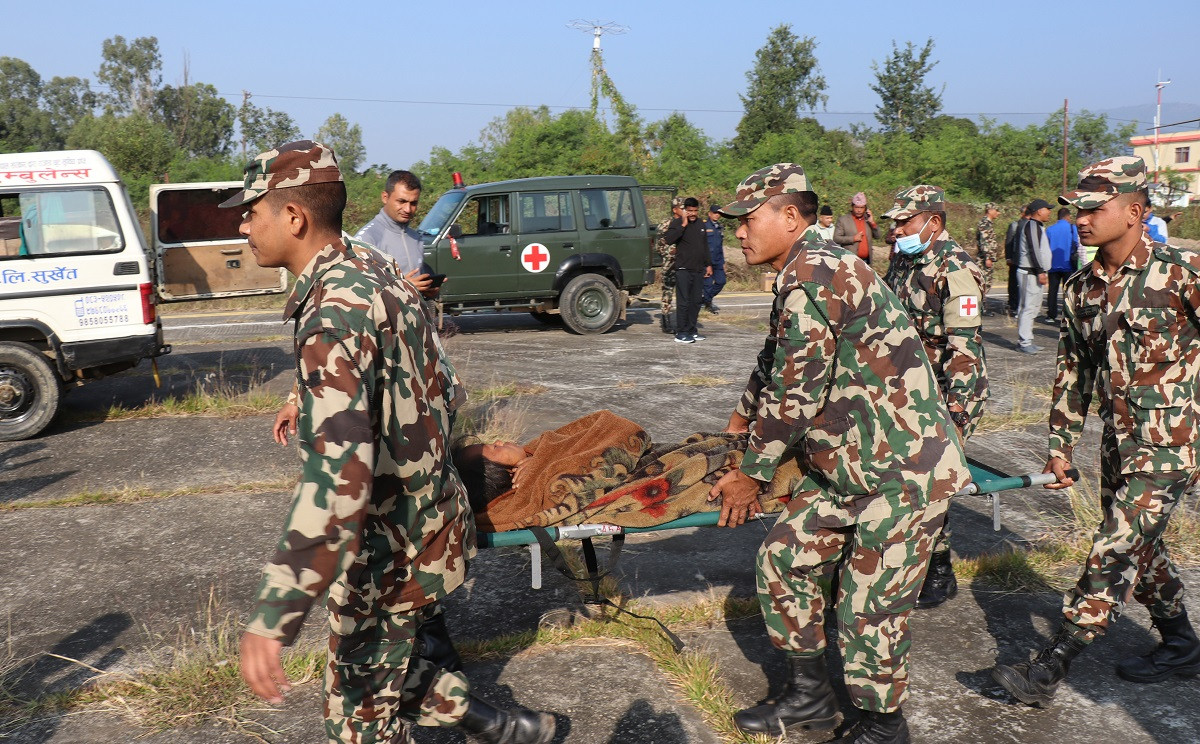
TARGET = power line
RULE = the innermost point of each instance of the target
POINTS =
(478, 104)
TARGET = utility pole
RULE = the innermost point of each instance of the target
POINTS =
(245, 102)
(1064, 185)
(1158, 119)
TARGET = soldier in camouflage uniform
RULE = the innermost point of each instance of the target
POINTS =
(844, 386)
(1131, 335)
(987, 245)
(379, 519)
(941, 288)
(667, 251)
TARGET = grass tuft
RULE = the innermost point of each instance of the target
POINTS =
(702, 381)
(133, 495)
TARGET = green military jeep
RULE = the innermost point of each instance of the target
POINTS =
(574, 247)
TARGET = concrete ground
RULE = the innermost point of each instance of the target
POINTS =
(111, 586)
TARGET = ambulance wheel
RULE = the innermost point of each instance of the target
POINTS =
(30, 392)
(588, 304)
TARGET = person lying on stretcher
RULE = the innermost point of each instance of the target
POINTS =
(604, 469)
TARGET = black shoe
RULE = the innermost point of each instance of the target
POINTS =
(807, 702)
(712, 309)
(1178, 654)
(667, 325)
(940, 583)
(432, 643)
(492, 725)
(1035, 682)
(878, 728)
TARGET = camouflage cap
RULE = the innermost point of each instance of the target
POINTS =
(919, 198)
(990, 206)
(677, 202)
(761, 185)
(294, 164)
(1100, 182)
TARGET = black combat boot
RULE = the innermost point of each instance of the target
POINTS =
(1179, 653)
(432, 643)
(667, 325)
(1034, 682)
(878, 728)
(806, 702)
(940, 583)
(491, 725)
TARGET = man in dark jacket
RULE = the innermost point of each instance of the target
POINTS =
(692, 264)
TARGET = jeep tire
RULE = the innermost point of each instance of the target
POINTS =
(30, 391)
(588, 304)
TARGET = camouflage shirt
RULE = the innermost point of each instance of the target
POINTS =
(1133, 339)
(985, 239)
(942, 291)
(665, 249)
(379, 517)
(844, 384)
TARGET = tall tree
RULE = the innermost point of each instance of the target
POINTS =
(906, 103)
(23, 126)
(67, 100)
(345, 139)
(132, 71)
(136, 145)
(784, 78)
(264, 128)
(199, 118)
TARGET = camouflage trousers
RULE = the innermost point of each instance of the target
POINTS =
(879, 558)
(668, 285)
(974, 410)
(377, 684)
(1128, 556)
(987, 279)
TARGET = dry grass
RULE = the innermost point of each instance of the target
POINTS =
(133, 495)
(1053, 561)
(1030, 406)
(702, 381)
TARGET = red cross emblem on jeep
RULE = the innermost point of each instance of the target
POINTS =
(535, 257)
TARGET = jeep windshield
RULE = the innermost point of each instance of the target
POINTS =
(441, 213)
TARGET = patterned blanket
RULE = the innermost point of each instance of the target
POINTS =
(631, 482)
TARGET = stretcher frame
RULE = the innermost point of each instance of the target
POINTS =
(985, 481)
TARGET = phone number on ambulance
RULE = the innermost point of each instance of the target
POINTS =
(99, 320)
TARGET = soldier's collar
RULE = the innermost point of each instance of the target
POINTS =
(326, 258)
(1141, 254)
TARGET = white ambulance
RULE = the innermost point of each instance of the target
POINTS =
(79, 283)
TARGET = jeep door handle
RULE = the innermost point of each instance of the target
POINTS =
(506, 247)
(231, 251)
(568, 246)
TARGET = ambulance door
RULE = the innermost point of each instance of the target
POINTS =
(548, 236)
(197, 247)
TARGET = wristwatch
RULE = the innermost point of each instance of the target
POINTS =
(960, 418)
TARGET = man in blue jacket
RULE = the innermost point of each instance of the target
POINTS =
(715, 235)
(1064, 259)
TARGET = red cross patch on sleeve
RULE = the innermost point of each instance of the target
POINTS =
(968, 307)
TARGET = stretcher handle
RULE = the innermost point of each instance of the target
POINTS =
(1008, 483)
(1035, 479)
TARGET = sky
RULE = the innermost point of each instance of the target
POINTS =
(421, 75)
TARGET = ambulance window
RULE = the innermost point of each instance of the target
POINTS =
(604, 209)
(546, 212)
(57, 222)
(190, 215)
(485, 215)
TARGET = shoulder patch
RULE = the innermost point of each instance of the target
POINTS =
(964, 303)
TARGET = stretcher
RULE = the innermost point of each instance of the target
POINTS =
(985, 481)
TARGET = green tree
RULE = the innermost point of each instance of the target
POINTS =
(906, 103)
(132, 71)
(679, 151)
(345, 139)
(784, 78)
(200, 119)
(23, 126)
(140, 148)
(264, 128)
(67, 100)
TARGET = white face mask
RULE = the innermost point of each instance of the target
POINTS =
(911, 245)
